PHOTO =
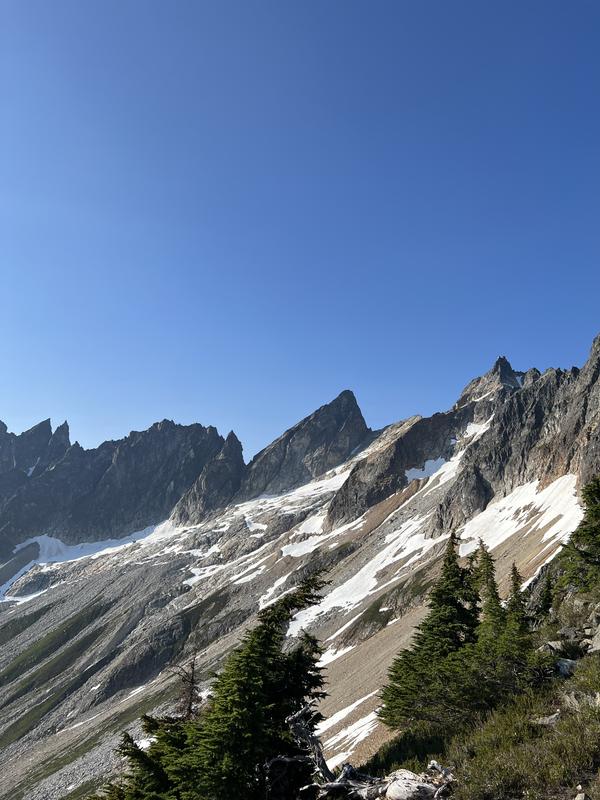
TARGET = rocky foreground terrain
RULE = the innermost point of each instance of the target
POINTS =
(119, 562)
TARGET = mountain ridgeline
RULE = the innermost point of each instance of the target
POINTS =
(50, 486)
(120, 563)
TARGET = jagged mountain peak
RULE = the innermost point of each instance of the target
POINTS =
(216, 485)
(232, 441)
(501, 376)
(503, 368)
(317, 443)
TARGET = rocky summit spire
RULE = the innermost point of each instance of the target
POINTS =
(500, 377)
(215, 486)
(316, 444)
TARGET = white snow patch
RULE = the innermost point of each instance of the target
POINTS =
(251, 576)
(477, 429)
(144, 744)
(555, 506)
(83, 722)
(343, 628)
(553, 555)
(199, 573)
(23, 598)
(483, 396)
(430, 467)
(254, 569)
(340, 715)
(267, 597)
(29, 471)
(255, 526)
(313, 524)
(136, 691)
(54, 551)
(350, 737)
(332, 655)
(399, 544)
(297, 549)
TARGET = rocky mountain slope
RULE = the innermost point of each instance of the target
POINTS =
(120, 561)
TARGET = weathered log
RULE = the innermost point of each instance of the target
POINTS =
(299, 724)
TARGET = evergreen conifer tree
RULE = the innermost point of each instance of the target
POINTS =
(413, 688)
(546, 598)
(516, 643)
(582, 560)
(259, 687)
(221, 753)
(493, 615)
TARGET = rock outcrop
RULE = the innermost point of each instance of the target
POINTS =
(316, 444)
(121, 486)
(215, 486)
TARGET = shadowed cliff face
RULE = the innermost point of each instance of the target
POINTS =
(88, 647)
(48, 486)
(81, 495)
(218, 482)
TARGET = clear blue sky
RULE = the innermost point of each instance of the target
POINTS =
(227, 212)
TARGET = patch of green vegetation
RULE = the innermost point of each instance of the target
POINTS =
(410, 750)
(50, 643)
(18, 624)
(510, 755)
(29, 720)
(50, 669)
(134, 712)
(419, 583)
(52, 765)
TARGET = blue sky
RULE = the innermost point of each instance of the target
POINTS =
(227, 212)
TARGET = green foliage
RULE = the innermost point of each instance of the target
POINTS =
(581, 559)
(546, 600)
(415, 677)
(50, 643)
(221, 753)
(464, 662)
(511, 755)
(493, 616)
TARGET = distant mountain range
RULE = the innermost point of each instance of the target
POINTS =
(119, 561)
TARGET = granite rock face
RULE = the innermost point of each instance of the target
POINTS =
(121, 486)
(316, 444)
(215, 486)
(26, 451)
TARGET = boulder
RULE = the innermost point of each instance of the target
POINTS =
(595, 643)
(406, 785)
(551, 647)
(570, 634)
(566, 666)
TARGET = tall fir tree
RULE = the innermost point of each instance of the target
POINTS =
(259, 687)
(221, 753)
(413, 679)
(493, 615)
(516, 643)
(582, 553)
